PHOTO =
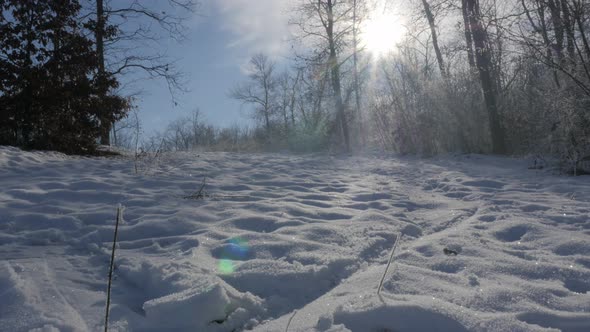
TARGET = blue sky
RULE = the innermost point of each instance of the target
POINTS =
(221, 38)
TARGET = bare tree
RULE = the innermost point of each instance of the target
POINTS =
(359, 11)
(560, 23)
(328, 24)
(434, 36)
(288, 86)
(259, 90)
(314, 79)
(122, 31)
(126, 131)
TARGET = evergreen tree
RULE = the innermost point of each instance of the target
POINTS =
(50, 94)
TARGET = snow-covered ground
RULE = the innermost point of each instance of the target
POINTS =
(298, 243)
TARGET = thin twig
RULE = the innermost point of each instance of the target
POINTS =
(119, 218)
(199, 194)
(290, 319)
(398, 239)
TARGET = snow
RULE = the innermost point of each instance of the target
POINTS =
(297, 242)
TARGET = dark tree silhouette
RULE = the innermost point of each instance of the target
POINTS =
(50, 95)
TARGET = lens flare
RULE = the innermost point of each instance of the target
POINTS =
(235, 249)
(226, 266)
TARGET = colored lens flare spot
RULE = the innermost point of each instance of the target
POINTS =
(236, 249)
(226, 266)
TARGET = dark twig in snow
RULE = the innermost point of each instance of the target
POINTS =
(450, 252)
(397, 239)
(199, 194)
(119, 219)
(290, 319)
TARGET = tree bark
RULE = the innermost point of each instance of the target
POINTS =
(557, 28)
(106, 125)
(335, 73)
(468, 36)
(294, 99)
(545, 34)
(431, 23)
(579, 21)
(266, 103)
(486, 74)
(357, 93)
(569, 28)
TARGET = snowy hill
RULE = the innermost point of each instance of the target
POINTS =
(292, 242)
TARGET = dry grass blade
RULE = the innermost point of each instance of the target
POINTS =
(290, 319)
(199, 194)
(119, 219)
(397, 240)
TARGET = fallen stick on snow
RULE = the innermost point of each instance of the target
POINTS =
(119, 218)
(290, 319)
(397, 239)
(199, 194)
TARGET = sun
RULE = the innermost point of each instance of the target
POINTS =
(381, 33)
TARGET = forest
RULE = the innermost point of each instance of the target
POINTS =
(485, 76)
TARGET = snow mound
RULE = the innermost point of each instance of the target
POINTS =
(208, 307)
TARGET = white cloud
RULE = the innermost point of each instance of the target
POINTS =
(257, 25)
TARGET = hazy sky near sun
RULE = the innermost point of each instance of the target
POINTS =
(222, 37)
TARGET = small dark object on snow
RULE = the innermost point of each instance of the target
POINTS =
(450, 252)
(199, 194)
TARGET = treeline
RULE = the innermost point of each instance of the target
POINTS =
(504, 77)
(485, 76)
(188, 133)
(61, 63)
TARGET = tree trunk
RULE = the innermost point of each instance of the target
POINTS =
(266, 104)
(545, 34)
(569, 29)
(439, 57)
(105, 131)
(335, 72)
(579, 21)
(557, 28)
(294, 99)
(285, 117)
(28, 92)
(267, 125)
(486, 75)
(357, 93)
(468, 36)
